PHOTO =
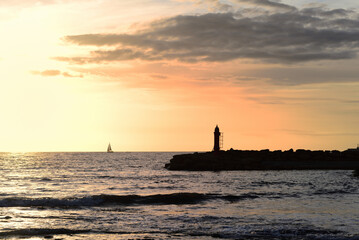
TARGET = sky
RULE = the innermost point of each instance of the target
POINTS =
(150, 75)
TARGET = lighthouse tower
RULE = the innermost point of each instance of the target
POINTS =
(217, 136)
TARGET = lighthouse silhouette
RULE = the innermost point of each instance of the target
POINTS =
(217, 136)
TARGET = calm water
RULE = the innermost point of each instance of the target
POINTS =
(131, 196)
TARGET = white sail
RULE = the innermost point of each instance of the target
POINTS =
(109, 148)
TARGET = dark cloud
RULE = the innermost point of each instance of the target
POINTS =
(286, 37)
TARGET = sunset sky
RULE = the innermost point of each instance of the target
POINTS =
(151, 75)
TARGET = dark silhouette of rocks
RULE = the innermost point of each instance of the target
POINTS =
(266, 160)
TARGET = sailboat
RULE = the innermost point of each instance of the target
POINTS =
(109, 150)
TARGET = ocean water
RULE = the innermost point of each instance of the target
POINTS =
(129, 195)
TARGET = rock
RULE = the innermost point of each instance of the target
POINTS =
(266, 160)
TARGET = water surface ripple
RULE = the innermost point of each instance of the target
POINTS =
(128, 195)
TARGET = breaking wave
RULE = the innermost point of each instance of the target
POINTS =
(102, 200)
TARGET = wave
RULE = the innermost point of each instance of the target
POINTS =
(284, 233)
(41, 232)
(102, 200)
(333, 191)
(269, 183)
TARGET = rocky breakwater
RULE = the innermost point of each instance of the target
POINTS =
(266, 160)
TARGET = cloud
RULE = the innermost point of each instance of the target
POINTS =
(291, 100)
(25, 2)
(270, 4)
(30, 3)
(215, 5)
(327, 72)
(157, 76)
(286, 37)
(66, 74)
(218, 5)
(318, 134)
(53, 73)
(47, 73)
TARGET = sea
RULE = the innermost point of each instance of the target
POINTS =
(130, 195)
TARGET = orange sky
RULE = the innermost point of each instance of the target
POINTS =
(151, 75)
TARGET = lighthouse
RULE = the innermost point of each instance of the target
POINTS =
(217, 136)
